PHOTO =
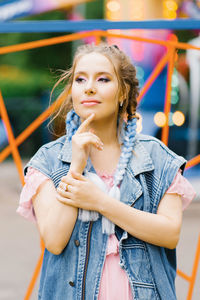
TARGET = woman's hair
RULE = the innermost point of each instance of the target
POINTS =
(128, 85)
(125, 72)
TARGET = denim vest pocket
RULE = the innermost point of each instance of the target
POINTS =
(135, 261)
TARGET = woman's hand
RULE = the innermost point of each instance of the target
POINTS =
(78, 191)
(82, 141)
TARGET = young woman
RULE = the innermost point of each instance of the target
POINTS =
(107, 201)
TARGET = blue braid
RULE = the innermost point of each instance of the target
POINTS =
(72, 123)
(129, 141)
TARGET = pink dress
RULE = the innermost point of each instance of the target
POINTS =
(112, 273)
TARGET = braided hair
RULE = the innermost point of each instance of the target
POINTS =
(128, 83)
(129, 133)
(126, 75)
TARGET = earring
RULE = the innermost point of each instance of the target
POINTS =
(121, 104)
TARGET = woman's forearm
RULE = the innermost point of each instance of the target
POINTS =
(158, 229)
(58, 227)
(55, 220)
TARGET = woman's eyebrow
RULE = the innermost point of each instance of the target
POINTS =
(98, 73)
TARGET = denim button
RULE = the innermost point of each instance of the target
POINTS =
(77, 243)
(71, 283)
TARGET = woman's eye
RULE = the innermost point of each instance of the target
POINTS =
(103, 79)
(79, 79)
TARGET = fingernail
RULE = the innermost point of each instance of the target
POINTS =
(100, 147)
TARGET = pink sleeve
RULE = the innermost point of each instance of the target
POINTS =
(33, 180)
(182, 187)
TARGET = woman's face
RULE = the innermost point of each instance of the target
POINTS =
(95, 87)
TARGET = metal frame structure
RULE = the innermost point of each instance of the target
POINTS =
(168, 59)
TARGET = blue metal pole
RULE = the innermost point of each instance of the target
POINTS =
(87, 25)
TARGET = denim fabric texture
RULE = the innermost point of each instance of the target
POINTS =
(75, 274)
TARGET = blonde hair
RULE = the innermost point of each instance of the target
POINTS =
(125, 72)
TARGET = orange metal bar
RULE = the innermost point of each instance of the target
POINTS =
(35, 274)
(45, 114)
(11, 139)
(183, 275)
(97, 38)
(32, 127)
(159, 67)
(171, 45)
(167, 43)
(192, 162)
(46, 42)
(167, 107)
(81, 35)
(194, 271)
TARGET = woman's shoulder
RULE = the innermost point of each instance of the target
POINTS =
(47, 156)
(158, 150)
(153, 143)
(56, 144)
(146, 139)
(51, 148)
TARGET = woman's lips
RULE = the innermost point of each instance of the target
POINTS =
(90, 103)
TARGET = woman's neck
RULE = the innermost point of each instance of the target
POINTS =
(107, 159)
(107, 132)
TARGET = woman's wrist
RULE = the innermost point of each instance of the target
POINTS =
(76, 168)
(104, 204)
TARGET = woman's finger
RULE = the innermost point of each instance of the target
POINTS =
(94, 138)
(88, 138)
(64, 186)
(78, 176)
(68, 180)
(85, 124)
(63, 193)
(65, 200)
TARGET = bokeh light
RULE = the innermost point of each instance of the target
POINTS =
(160, 119)
(175, 80)
(174, 96)
(140, 75)
(169, 9)
(170, 5)
(137, 9)
(178, 118)
(170, 119)
(113, 6)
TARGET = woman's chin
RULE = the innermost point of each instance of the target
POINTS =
(84, 114)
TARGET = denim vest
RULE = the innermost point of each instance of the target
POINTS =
(76, 272)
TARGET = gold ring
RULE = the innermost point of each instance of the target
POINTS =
(66, 187)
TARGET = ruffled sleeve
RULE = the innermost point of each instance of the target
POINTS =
(182, 187)
(33, 180)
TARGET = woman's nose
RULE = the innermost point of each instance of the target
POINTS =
(90, 89)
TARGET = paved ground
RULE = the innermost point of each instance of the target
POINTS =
(19, 247)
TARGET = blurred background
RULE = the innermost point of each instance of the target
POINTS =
(27, 78)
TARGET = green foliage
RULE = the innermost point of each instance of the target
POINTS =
(19, 82)
(27, 77)
(95, 9)
(27, 73)
(30, 72)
